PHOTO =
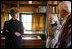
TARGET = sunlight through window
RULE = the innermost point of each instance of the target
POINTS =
(27, 22)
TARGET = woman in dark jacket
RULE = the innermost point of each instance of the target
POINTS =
(13, 29)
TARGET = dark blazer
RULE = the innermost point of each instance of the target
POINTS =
(11, 26)
(65, 39)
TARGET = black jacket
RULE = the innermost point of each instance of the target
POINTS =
(10, 27)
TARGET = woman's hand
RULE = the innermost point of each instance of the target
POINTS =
(17, 34)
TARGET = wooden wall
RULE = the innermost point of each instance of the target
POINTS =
(4, 17)
(25, 2)
(38, 22)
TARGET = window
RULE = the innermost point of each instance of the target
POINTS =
(27, 22)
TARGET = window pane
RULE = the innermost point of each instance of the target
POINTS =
(9, 16)
(24, 18)
(27, 21)
(29, 18)
(24, 24)
(29, 26)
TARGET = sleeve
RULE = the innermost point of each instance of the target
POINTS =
(4, 29)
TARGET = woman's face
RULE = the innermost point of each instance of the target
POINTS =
(16, 16)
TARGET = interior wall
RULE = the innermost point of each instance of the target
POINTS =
(38, 22)
(4, 17)
(27, 9)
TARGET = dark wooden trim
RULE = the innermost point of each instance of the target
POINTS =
(24, 5)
